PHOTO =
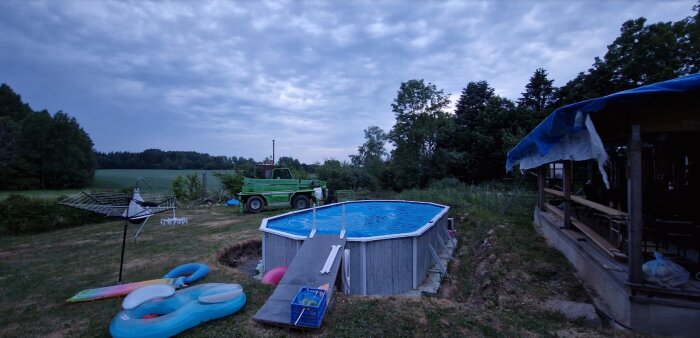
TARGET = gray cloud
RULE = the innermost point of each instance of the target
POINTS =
(227, 77)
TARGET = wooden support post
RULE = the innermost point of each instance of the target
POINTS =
(541, 180)
(566, 175)
(634, 206)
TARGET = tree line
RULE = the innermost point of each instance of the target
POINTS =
(471, 142)
(159, 159)
(39, 150)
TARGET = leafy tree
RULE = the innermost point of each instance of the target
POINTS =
(644, 54)
(12, 112)
(38, 150)
(9, 152)
(641, 55)
(691, 43)
(30, 172)
(11, 104)
(297, 168)
(70, 160)
(371, 155)
(420, 121)
(337, 175)
(289, 162)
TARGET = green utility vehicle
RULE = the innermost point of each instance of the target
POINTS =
(280, 188)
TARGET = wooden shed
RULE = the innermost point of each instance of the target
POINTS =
(618, 182)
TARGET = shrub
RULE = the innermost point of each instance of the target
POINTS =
(188, 187)
(231, 183)
(21, 215)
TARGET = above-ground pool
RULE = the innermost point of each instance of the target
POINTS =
(391, 244)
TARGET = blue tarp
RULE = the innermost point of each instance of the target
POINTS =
(568, 133)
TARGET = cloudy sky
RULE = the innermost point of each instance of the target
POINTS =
(226, 77)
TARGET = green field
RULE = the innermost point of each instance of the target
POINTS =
(159, 179)
(117, 179)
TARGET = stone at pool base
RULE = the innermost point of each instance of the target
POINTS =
(431, 284)
(575, 311)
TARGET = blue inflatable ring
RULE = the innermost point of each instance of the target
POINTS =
(166, 317)
(196, 271)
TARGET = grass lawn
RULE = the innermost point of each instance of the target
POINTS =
(502, 273)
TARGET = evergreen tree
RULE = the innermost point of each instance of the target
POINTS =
(473, 100)
(539, 95)
(483, 123)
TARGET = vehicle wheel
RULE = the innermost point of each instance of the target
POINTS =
(254, 204)
(301, 202)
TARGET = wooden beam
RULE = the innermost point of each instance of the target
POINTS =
(597, 239)
(602, 208)
(541, 186)
(556, 211)
(634, 204)
(554, 192)
(593, 205)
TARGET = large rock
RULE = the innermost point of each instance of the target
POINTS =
(575, 311)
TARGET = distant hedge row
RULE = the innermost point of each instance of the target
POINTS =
(24, 215)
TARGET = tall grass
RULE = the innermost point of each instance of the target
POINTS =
(490, 200)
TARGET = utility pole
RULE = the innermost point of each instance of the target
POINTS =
(273, 152)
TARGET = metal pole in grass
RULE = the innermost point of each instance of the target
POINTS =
(121, 262)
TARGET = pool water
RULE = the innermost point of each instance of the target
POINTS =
(362, 219)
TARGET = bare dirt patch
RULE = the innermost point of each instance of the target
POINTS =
(243, 256)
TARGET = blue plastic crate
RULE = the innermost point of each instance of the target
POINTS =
(308, 307)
